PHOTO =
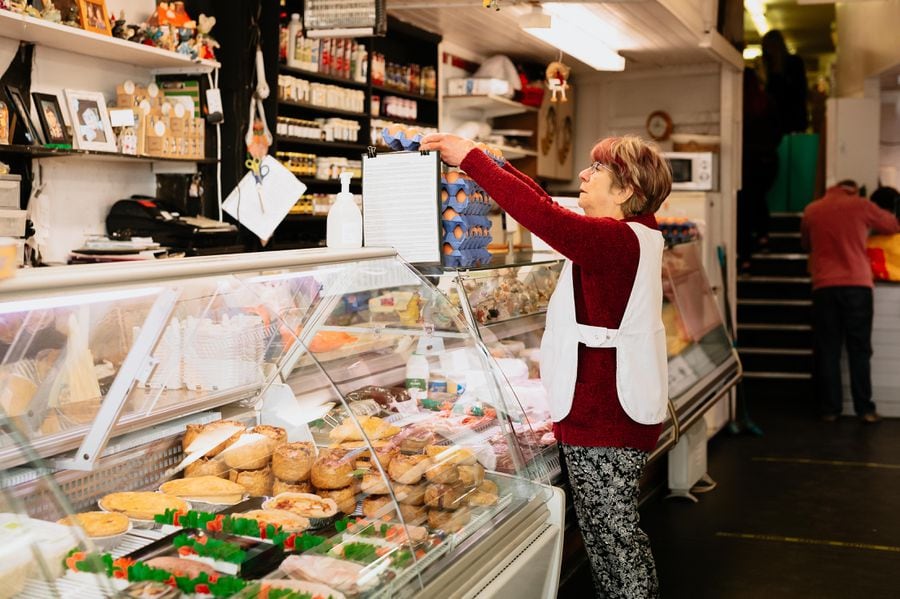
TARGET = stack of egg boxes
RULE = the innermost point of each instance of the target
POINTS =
(466, 227)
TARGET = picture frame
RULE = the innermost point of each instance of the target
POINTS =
(91, 128)
(20, 110)
(94, 16)
(50, 115)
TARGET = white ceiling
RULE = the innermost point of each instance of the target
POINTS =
(648, 34)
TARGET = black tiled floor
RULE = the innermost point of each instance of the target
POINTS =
(810, 509)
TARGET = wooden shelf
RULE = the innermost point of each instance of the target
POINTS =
(486, 107)
(322, 77)
(42, 152)
(395, 119)
(389, 91)
(323, 109)
(337, 145)
(307, 218)
(87, 43)
(329, 183)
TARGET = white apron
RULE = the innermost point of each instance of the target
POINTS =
(640, 341)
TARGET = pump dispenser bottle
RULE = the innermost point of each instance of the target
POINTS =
(344, 225)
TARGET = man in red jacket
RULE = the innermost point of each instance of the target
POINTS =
(834, 230)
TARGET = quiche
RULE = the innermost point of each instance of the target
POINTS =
(288, 521)
(142, 505)
(98, 524)
(303, 504)
(208, 489)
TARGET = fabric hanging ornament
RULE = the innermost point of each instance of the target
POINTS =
(557, 80)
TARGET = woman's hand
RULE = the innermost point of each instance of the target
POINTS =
(453, 148)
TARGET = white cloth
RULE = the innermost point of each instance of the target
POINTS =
(640, 340)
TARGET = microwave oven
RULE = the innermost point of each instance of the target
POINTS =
(694, 171)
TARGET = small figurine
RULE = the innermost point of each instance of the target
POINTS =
(17, 6)
(51, 13)
(204, 43)
(120, 28)
(557, 76)
(32, 12)
(72, 17)
(186, 45)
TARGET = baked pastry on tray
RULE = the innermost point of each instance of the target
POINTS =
(98, 524)
(208, 489)
(288, 521)
(373, 427)
(142, 505)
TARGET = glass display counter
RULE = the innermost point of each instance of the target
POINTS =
(307, 422)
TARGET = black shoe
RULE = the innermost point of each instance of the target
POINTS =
(870, 418)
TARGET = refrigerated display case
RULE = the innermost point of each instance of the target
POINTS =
(506, 302)
(115, 377)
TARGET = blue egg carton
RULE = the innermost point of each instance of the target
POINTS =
(468, 206)
(467, 258)
(498, 161)
(400, 142)
(468, 240)
(467, 185)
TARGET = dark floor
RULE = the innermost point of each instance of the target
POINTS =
(810, 509)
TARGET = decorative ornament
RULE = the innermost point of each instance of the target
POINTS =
(495, 4)
(659, 125)
(557, 80)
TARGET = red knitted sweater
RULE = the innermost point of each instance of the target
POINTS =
(604, 253)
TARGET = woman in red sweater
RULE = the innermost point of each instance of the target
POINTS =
(603, 354)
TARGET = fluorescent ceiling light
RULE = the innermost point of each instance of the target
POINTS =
(757, 11)
(577, 37)
(751, 52)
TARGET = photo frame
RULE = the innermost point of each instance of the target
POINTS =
(91, 129)
(50, 115)
(23, 115)
(94, 16)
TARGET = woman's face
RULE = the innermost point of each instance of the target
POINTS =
(599, 196)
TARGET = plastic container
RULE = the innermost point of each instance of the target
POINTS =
(417, 373)
(344, 225)
(295, 33)
(52, 540)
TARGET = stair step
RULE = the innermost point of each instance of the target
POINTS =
(770, 334)
(788, 222)
(762, 287)
(767, 359)
(761, 311)
(790, 265)
(785, 242)
(799, 376)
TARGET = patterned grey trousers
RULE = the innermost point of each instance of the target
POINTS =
(604, 483)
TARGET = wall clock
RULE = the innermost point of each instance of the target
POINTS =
(659, 125)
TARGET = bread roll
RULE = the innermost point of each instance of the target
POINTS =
(344, 498)
(410, 494)
(486, 494)
(373, 427)
(471, 476)
(416, 440)
(446, 497)
(453, 454)
(292, 462)
(277, 434)
(448, 520)
(442, 472)
(413, 514)
(379, 506)
(384, 450)
(374, 484)
(193, 431)
(332, 470)
(206, 467)
(408, 469)
(257, 482)
(253, 455)
(280, 486)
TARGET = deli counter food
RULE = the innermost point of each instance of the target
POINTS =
(287, 424)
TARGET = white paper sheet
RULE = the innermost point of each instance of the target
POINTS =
(401, 204)
(280, 191)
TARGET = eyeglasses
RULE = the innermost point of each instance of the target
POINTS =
(596, 166)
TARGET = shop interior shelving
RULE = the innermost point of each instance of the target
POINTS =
(70, 39)
(485, 106)
(42, 152)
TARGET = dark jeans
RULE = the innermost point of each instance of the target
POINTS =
(752, 210)
(842, 314)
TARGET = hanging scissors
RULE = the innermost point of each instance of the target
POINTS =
(260, 172)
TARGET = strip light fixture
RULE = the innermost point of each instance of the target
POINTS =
(575, 30)
(757, 11)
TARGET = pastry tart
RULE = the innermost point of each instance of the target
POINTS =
(379, 507)
(208, 489)
(142, 505)
(385, 451)
(413, 514)
(410, 494)
(194, 430)
(374, 484)
(486, 494)
(292, 462)
(442, 472)
(207, 467)
(373, 427)
(98, 524)
(332, 470)
(408, 469)
(277, 434)
(471, 476)
(250, 453)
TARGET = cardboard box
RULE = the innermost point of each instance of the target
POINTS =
(477, 86)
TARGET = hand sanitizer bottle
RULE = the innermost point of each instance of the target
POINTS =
(344, 225)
